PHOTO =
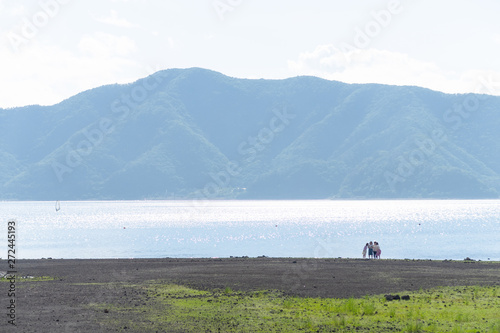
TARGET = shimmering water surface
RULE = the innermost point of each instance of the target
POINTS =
(424, 229)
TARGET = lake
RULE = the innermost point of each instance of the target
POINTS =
(420, 229)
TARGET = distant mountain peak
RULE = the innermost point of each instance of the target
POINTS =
(196, 133)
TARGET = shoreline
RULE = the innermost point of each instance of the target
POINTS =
(3, 262)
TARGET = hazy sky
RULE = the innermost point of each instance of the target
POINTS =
(53, 49)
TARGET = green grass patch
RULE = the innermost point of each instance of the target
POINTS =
(174, 308)
(29, 279)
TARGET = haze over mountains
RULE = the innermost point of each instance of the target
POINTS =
(195, 133)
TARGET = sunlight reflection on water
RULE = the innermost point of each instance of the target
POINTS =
(433, 229)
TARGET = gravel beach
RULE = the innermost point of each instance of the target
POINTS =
(64, 304)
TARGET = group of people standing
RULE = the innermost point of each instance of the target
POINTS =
(374, 250)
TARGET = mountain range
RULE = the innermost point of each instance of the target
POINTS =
(195, 133)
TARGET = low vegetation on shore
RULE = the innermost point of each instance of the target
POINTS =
(175, 308)
(7, 278)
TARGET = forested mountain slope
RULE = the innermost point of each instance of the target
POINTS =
(194, 133)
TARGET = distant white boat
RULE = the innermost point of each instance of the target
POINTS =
(58, 205)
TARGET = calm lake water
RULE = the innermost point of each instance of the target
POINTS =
(423, 229)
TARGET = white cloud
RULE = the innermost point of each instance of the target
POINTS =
(171, 42)
(483, 82)
(116, 21)
(15, 9)
(380, 66)
(496, 38)
(105, 45)
(46, 75)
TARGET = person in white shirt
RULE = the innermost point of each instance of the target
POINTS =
(376, 250)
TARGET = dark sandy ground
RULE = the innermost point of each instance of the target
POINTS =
(62, 305)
